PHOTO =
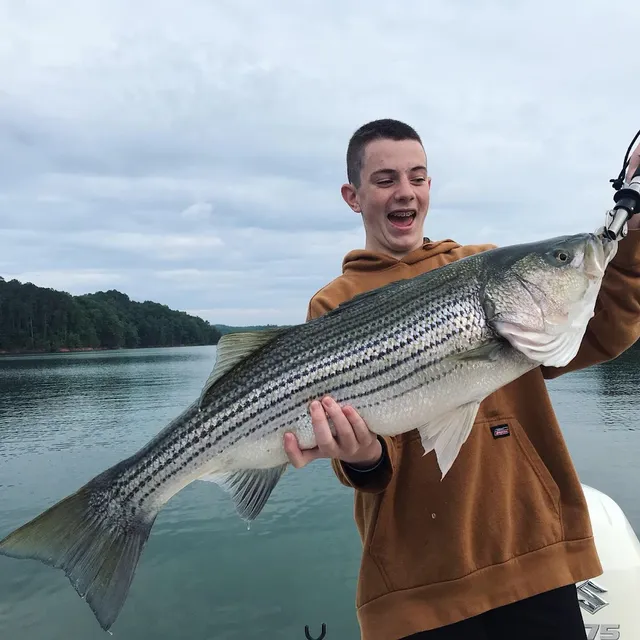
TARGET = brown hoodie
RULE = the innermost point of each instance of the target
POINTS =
(509, 520)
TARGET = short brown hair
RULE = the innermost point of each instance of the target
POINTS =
(385, 128)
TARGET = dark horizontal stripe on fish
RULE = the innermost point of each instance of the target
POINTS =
(229, 406)
(351, 363)
(294, 386)
(159, 475)
(442, 291)
(416, 319)
(184, 442)
(182, 438)
(439, 376)
(217, 410)
(275, 417)
(325, 341)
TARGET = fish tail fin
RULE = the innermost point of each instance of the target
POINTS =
(97, 550)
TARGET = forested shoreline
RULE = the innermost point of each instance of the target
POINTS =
(36, 320)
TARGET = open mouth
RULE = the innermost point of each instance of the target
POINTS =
(402, 218)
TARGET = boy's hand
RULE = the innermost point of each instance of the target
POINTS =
(353, 443)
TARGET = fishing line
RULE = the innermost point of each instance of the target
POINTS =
(618, 182)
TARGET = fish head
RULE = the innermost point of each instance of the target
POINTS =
(540, 296)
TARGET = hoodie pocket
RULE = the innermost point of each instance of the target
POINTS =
(537, 465)
(498, 501)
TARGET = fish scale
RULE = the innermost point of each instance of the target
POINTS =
(421, 353)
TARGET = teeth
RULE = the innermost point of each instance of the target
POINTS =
(402, 214)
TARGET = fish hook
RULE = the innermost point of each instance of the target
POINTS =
(323, 633)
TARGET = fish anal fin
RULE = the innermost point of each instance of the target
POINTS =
(233, 348)
(249, 488)
(446, 434)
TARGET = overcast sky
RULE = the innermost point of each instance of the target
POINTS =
(192, 152)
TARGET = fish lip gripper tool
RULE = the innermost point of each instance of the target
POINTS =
(626, 198)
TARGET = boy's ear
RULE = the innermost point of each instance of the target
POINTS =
(350, 196)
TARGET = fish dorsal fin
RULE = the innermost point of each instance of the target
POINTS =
(233, 348)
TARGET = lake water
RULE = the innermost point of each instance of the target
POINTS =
(203, 575)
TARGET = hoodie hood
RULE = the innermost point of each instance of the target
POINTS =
(364, 260)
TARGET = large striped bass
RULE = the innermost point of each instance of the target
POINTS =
(417, 354)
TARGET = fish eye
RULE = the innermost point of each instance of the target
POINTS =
(561, 255)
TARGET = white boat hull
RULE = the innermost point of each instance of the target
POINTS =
(609, 602)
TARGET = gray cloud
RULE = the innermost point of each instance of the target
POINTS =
(192, 153)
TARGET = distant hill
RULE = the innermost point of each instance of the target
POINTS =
(37, 319)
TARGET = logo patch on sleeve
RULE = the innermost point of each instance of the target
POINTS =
(500, 431)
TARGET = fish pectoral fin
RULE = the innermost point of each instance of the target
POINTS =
(488, 351)
(232, 349)
(447, 433)
(249, 489)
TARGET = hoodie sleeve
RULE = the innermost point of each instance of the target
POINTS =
(615, 325)
(374, 479)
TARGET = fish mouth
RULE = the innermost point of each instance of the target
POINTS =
(402, 218)
(598, 252)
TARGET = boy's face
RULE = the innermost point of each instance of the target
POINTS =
(393, 196)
